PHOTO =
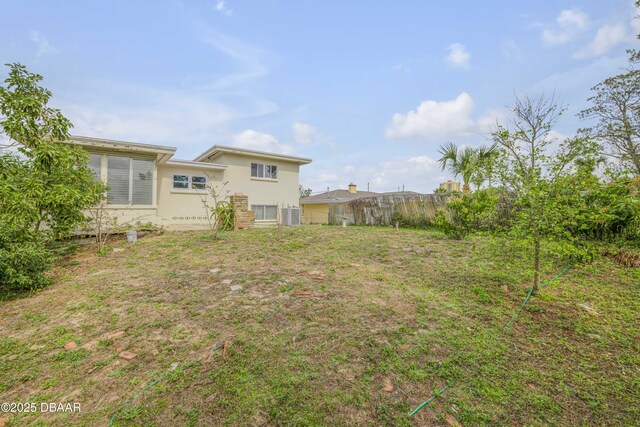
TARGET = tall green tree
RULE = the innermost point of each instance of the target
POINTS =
(45, 183)
(616, 111)
(548, 183)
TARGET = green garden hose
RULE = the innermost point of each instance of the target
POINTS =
(526, 300)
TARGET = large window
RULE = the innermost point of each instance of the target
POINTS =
(259, 170)
(265, 212)
(186, 182)
(130, 180)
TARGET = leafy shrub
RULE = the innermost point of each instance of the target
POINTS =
(22, 261)
(410, 221)
(469, 213)
(44, 187)
(224, 216)
(612, 211)
(449, 226)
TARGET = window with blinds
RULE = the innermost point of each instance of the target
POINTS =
(265, 212)
(130, 180)
(142, 186)
(95, 165)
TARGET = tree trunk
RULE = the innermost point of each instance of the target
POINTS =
(466, 189)
(536, 262)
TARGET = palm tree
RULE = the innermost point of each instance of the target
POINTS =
(459, 161)
(485, 162)
(466, 162)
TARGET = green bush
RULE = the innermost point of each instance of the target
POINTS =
(612, 211)
(23, 260)
(45, 185)
(224, 215)
(468, 213)
(449, 226)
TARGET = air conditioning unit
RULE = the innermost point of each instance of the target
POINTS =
(290, 216)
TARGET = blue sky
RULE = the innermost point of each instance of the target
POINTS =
(368, 90)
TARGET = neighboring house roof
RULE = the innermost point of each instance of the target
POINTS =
(343, 196)
(336, 196)
(218, 150)
(162, 152)
(400, 193)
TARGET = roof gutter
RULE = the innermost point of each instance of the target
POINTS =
(162, 152)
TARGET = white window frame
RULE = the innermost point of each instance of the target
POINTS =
(253, 208)
(263, 167)
(130, 190)
(103, 175)
(190, 177)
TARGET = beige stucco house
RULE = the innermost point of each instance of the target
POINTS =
(147, 185)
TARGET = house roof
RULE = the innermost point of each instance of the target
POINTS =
(343, 196)
(218, 150)
(162, 152)
(336, 196)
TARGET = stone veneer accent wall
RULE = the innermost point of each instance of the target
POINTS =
(244, 218)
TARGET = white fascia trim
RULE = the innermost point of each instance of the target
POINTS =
(221, 149)
(162, 152)
(196, 165)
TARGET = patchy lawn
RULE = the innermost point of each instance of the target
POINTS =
(339, 326)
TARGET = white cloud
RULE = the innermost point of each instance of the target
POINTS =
(576, 81)
(418, 173)
(42, 43)
(149, 116)
(607, 37)
(511, 50)
(250, 59)
(569, 23)
(635, 18)
(303, 133)
(259, 141)
(434, 119)
(401, 67)
(458, 56)
(487, 122)
(222, 8)
(192, 117)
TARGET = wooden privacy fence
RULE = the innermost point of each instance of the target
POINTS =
(407, 209)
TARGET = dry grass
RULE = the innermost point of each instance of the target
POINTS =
(624, 257)
(326, 320)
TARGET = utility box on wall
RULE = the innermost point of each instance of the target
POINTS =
(291, 216)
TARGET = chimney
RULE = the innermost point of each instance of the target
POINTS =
(352, 188)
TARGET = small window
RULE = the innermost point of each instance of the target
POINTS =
(186, 182)
(180, 181)
(199, 182)
(265, 212)
(259, 170)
